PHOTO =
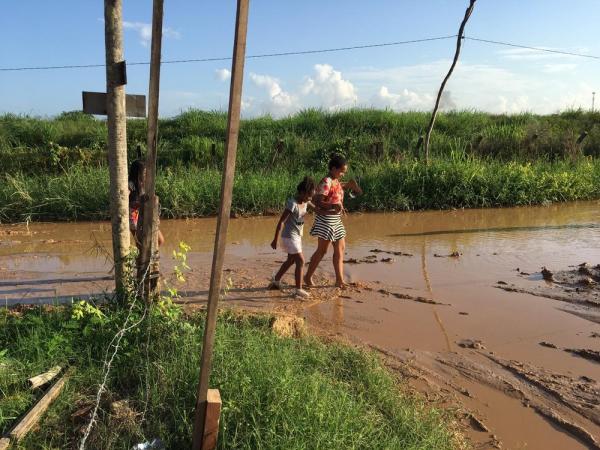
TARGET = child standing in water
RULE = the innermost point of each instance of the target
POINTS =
(137, 179)
(328, 226)
(292, 222)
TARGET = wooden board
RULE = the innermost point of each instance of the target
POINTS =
(40, 380)
(213, 415)
(95, 103)
(36, 412)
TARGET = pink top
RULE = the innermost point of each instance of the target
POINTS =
(332, 190)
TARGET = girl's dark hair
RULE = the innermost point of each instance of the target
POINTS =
(337, 161)
(306, 185)
(135, 184)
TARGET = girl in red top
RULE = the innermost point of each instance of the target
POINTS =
(328, 226)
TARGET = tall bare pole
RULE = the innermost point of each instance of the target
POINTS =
(459, 39)
(148, 206)
(233, 124)
(117, 137)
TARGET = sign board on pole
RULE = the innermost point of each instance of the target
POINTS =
(95, 103)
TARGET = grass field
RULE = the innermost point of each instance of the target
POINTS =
(278, 393)
(450, 182)
(303, 141)
(55, 169)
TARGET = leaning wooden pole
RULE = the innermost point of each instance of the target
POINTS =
(147, 231)
(117, 137)
(459, 39)
(233, 124)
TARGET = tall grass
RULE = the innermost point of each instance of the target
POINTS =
(457, 181)
(278, 393)
(196, 138)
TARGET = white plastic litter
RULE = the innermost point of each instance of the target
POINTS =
(154, 444)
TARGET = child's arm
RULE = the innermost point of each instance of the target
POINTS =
(324, 208)
(353, 185)
(282, 220)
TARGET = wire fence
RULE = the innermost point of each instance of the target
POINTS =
(309, 52)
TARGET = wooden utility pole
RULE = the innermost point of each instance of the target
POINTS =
(117, 137)
(233, 124)
(149, 246)
(459, 39)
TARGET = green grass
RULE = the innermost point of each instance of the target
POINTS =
(456, 181)
(278, 393)
(299, 142)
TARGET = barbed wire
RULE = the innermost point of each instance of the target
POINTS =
(228, 58)
(539, 49)
(107, 365)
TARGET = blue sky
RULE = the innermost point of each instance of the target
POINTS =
(490, 78)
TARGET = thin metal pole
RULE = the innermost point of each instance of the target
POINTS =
(148, 206)
(233, 124)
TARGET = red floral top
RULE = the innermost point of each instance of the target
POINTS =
(332, 190)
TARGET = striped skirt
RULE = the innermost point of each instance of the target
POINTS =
(328, 227)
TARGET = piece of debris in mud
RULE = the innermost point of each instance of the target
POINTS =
(547, 275)
(372, 259)
(502, 282)
(595, 335)
(288, 326)
(346, 297)
(477, 424)
(547, 344)
(471, 343)
(463, 313)
(454, 254)
(377, 250)
(587, 281)
(586, 353)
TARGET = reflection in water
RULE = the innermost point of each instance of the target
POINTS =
(430, 291)
(573, 226)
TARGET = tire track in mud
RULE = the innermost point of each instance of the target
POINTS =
(570, 405)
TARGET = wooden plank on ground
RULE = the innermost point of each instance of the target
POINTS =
(38, 410)
(43, 378)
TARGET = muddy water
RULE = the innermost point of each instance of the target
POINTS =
(42, 262)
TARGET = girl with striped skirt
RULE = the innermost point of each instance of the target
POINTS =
(328, 226)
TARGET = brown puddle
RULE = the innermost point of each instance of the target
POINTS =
(413, 306)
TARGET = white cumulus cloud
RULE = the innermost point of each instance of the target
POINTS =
(144, 31)
(279, 102)
(334, 91)
(405, 100)
(223, 74)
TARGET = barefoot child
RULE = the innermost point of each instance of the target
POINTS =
(328, 226)
(292, 222)
(137, 179)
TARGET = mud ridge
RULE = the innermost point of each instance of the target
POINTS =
(527, 393)
(413, 298)
(562, 298)
(583, 397)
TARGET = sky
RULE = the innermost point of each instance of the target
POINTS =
(491, 78)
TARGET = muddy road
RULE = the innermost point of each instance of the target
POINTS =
(456, 301)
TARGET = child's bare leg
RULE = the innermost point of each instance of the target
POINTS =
(161, 238)
(315, 259)
(339, 248)
(299, 261)
(284, 267)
